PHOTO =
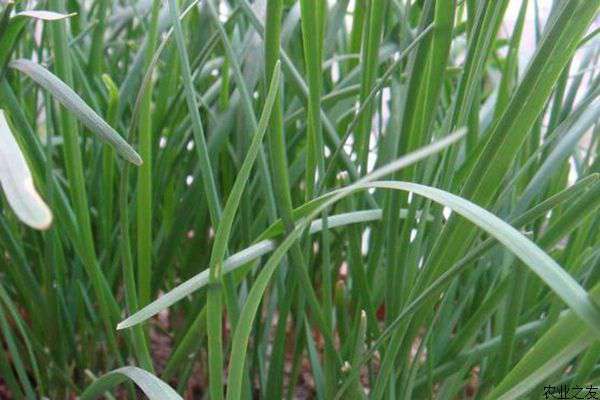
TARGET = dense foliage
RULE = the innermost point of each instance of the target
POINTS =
(300, 198)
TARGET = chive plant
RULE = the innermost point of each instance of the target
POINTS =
(299, 199)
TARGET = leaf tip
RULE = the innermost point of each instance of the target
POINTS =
(135, 159)
(46, 223)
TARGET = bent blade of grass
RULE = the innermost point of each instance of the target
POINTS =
(17, 182)
(243, 330)
(71, 100)
(259, 249)
(153, 387)
(436, 288)
(263, 247)
(238, 260)
(492, 162)
(535, 258)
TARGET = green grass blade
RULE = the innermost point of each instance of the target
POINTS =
(263, 247)
(145, 193)
(222, 237)
(197, 128)
(152, 387)
(68, 98)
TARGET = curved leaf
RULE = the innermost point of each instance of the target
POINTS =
(238, 260)
(265, 246)
(153, 387)
(68, 98)
(534, 257)
(17, 182)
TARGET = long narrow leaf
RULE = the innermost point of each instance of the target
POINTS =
(265, 246)
(153, 387)
(68, 98)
